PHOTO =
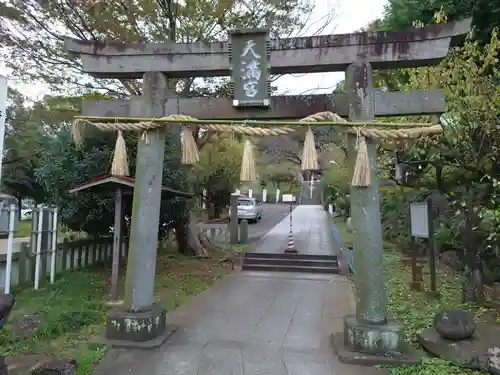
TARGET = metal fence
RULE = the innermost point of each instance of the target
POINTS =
(43, 257)
(217, 233)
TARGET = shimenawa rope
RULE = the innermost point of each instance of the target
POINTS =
(361, 175)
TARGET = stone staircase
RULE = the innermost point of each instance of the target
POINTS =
(291, 263)
(308, 198)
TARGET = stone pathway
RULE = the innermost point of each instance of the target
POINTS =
(256, 323)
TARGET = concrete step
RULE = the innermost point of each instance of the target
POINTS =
(292, 262)
(278, 268)
(291, 256)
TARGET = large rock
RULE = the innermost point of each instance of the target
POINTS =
(454, 324)
(469, 352)
(7, 302)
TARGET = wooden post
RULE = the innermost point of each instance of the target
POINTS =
(79, 261)
(73, 249)
(432, 249)
(87, 253)
(95, 253)
(243, 232)
(416, 284)
(65, 264)
(233, 224)
(23, 263)
(117, 244)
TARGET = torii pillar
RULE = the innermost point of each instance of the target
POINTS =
(141, 322)
(368, 335)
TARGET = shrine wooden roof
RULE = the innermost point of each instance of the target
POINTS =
(112, 183)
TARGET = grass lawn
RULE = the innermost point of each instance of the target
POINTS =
(416, 310)
(24, 229)
(68, 313)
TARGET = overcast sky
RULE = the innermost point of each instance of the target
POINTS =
(351, 16)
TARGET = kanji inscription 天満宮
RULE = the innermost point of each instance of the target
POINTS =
(249, 68)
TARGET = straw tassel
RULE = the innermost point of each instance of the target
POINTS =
(190, 153)
(309, 155)
(77, 131)
(119, 166)
(361, 176)
(248, 173)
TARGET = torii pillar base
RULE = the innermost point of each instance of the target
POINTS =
(368, 344)
(143, 329)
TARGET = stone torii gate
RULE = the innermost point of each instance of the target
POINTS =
(369, 331)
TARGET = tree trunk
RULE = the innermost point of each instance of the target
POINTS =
(439, 178)
(217, 210)
(211, 211)
(187, 237)
(474, 277)
(473, 290)
(19, 208)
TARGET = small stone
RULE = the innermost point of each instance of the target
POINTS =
(57, 367)
(454, 324)
(23, 326)
(488, 361)
(494, 361)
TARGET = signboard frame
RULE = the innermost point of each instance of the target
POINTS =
(249, 60)
(419, 219)
(422, 217)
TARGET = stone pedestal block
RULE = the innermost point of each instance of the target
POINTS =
(372, 339)
(373, 344)
(137, 329)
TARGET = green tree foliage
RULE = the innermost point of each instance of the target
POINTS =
(462, 162)
(22, 148)
(401, 14)
(43, 163)
(279, 174)
(33, 33)
(335, 181)
(218, 171)
(63, 165)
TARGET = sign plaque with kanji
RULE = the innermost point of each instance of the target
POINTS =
(249, 59)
